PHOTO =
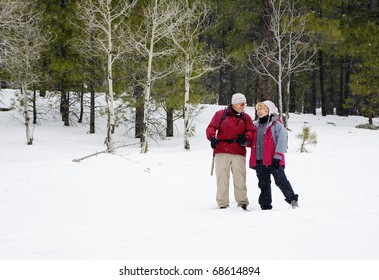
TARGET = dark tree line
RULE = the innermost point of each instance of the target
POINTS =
(344, 78)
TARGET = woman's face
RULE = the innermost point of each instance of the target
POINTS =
(262, 111)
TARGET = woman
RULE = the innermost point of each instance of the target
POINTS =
(267, 155)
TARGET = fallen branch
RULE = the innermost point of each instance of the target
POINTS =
(102, 152)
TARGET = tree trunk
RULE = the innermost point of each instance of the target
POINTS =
(29, 138)
(138, 95)
(34, 107)
(322, 83)
(292, 102)
(265, 85)
(42, 92)
(331, 100)
(370, 117)
(223, 92)
(65, 99)
(62, 104)
(186, 102)
(92, 112)
(287, 103)
(81, 105)
(265, 88)
(109, 141)
(170, 123)
(347, 91)
(67, 111)
(146, 99)
(227, 84)
(340, 110)
(313, 93)
(251, 96)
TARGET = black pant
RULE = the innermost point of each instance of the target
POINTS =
(264, 183)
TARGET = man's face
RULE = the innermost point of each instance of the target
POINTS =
(239, 107)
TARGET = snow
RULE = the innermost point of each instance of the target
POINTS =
(161, 205)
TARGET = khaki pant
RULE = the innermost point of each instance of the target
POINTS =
(226, 163)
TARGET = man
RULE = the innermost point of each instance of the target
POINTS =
(229, 132)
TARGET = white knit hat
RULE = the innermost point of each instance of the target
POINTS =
(271, 107)
(238, 98)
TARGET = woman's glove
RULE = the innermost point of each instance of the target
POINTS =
(275, 162)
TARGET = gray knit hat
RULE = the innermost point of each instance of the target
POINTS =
(238, 98)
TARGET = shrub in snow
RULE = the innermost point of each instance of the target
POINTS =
(307, 138)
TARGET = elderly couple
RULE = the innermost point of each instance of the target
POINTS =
(230, 131)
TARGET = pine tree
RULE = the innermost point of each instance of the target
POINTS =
(307, 138)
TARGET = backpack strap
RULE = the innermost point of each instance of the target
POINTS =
(223, 116)
(243, 116)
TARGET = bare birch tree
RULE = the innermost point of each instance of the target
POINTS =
(104, 21)
(197, 60)
(23, 43)
(8, 16)
(160, 18)
(11, 13)
(290, 52)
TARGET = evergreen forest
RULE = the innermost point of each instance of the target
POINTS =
(143, 56)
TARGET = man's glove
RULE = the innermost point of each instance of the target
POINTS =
(214, 142)
(242, 139)
(275, 162)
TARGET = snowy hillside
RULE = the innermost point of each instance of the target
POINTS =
(161, 205)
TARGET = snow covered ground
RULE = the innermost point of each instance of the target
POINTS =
(161, 205)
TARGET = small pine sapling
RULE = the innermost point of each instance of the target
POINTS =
(307, 138)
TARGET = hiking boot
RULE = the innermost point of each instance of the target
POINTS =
(294, 204)
(244, 207)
